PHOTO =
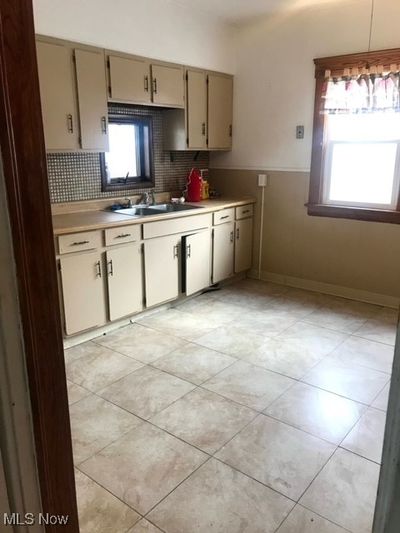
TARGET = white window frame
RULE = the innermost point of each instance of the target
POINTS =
(327, 166)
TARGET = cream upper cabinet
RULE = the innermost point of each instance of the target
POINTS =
(162, 259)
(243, 244)
(92, 98)
(220, 101)
(129, 79)
(57, 92)
(196, 109)
(223, 251)
(168, 85)
(125, 280)
(82, 291)
(196, 252)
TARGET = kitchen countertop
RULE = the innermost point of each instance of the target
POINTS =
(76, 221)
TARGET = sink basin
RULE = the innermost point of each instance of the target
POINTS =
(139, 211)
(171, 208)
(157, 209)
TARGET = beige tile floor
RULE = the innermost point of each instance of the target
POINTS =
(253, 409)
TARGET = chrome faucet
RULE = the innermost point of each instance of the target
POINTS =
(148, 198)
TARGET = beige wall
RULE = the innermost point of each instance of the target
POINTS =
(160, 29)
(347, 253)
(274, 77)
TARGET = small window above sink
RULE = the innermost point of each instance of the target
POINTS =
(129, 162)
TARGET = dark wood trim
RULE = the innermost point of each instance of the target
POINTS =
(24, 162)
(315, 191)
(336, 64)
(354, 213)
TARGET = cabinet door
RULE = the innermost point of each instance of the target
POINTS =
(243, 244)
(196, 85)
(161, 257)
(92, 99)
(60, 120)
(167, 85)
(129, 79)
(223, 246)
(220, 101)
(82, 291)
(196, 250)
(125, 281)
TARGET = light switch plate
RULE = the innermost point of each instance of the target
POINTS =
(299, 132)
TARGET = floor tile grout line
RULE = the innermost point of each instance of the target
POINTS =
(110, 492)
(323, 517)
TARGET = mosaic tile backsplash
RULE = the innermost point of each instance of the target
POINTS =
(77, 176)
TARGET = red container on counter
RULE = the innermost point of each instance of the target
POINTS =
(194, 186)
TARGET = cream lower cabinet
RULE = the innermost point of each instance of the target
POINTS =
(196, 251)
(243, 244)
(83, 291)
(223, 251)
(125, 280)
(162, 259)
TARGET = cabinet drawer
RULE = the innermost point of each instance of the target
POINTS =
(244, 211)
(76, 242)
(226, 215)
(122, 234)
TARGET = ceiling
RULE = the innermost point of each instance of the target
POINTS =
(239, 11)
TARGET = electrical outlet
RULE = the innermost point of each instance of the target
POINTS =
(299, 132)
(262, 180)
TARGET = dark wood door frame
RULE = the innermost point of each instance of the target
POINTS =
(24, 162)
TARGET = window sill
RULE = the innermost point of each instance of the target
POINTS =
(353, 213)
(143, 184)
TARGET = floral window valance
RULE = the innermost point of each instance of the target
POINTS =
(367, 92)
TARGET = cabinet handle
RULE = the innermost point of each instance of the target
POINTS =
(203, 128)
(155, 86)
(188, 250)
(246, 211)
(79, 243)
(231, 236)
(146, 84)
(230, 130)
(111, 270)
(224, 217)
(237, 233)
(122, 235)
(98, 269)
(70, 123)
(104, 125)
(176, 251)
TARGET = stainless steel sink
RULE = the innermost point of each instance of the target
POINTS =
(171, 208)
(157, 209)
(138, 211)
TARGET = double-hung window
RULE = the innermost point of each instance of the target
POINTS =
(355, 170)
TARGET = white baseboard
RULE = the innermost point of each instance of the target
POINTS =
(328, 288)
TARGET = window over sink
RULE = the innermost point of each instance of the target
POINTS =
(129, 162)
